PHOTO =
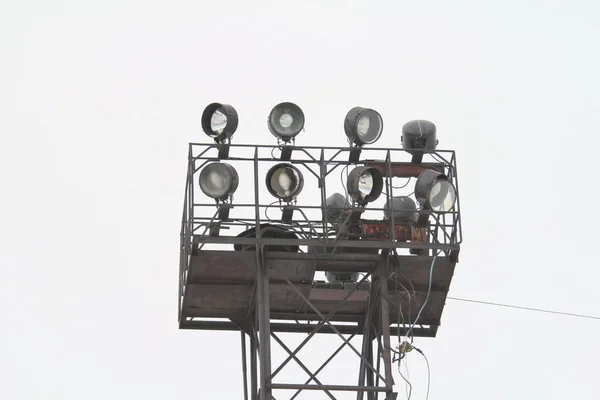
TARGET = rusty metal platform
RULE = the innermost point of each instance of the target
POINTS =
(222, 285)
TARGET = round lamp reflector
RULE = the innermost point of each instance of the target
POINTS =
(284, 181)
(218, 180)
(286, 120)
(403, 208)
(363, 125)
(364, 184)
(219, 121)
(442, 196)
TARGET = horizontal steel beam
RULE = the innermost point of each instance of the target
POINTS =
(340, 388)
(363, 244)
(300, 328)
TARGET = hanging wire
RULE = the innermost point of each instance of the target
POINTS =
(266, 208)
(489, 303)
(426, 297)
(342, 180)
(408, 386)
(403, 186)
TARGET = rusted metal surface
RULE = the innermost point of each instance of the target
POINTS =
(403, 169)
(374, 230)
(221, 284)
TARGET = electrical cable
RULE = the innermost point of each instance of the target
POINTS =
(403, 186)
(428, 371)
(266, 208)
(525, 308)
(426, 297)
(408, 384)
(342, 180)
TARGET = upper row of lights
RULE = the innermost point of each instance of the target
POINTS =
(433, 190)
(363, 126)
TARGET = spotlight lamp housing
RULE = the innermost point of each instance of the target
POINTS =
(434, 191)
(364, 184)
(335, 207)
(419, 136)
(286, 120)
(402, 209)
(284, 181)
(218, 180)
(219, 121)
(363, 126)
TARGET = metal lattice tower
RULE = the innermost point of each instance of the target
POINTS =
(237, 272)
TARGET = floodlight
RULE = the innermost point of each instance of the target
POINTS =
(345, 277)
(419, 136)
(284, 181)
(335, 206)
(286, 120)
(268, 231)
(403, 209)
(219, 180)
(219, 121)
(434, 191)
(365, 184)
(363, 125)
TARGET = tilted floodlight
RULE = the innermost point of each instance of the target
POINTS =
(335, 206)
(219, 121)
(419, 137)
(434, 191)
(363, 125)
(219, 180)
(284, 181)
(286, 120)
(365, 184)
(268, 231)
(403, 208)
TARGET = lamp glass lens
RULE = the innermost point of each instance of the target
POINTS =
(362, 126)
(442, 196)
(218, 122)
(365, 184)
(286, 120)
(369, 126)
(215, 181)
(284, 182)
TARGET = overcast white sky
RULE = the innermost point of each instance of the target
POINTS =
(98, 101)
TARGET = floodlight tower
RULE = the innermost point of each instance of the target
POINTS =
(242, 269)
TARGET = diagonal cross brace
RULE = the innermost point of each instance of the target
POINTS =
(320, 324)
(335, 353)
(312, 376)
(309, 303)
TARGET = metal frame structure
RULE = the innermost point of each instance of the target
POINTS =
(249, 283)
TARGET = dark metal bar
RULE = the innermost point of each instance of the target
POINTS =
(341, 388)
(367, 330)
(368, 244)
(253, 365)
(268, 146)
(370, 374)
(382, 280)
(244, 365)
(422, 331)
(312, 376)
(263, 306)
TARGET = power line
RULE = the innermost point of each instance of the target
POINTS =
(524, 308)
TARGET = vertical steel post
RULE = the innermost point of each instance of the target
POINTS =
(244, 365)
(253, 365)
(370, 373)
(382, 281)
(262, 298)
